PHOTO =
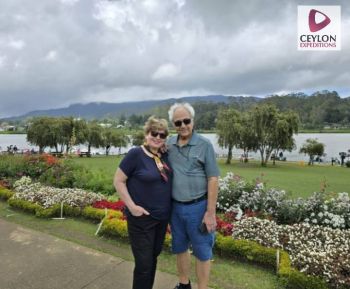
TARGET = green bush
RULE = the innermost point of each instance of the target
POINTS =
(39, 211)
(115, 227)
(62, 175)
(248, 250)
(93, 213)
(94, 181)
(5, 194)
(54, 211)
(24, 205)
(57, 173)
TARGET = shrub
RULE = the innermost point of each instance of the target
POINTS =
(115, 227)
(24, 205)
(62, 175)
(5, 194)
(98, 214)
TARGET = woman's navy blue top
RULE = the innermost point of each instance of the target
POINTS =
(145, 185)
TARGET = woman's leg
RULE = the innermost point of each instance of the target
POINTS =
(146, 237)
(158, 244)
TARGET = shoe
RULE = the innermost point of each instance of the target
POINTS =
(182, 286)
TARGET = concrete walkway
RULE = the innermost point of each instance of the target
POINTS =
(35, 260)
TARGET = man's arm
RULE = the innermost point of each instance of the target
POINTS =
(210, 215)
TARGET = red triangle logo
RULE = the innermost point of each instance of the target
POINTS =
(314, 27)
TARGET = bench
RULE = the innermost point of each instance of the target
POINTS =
(87, 154)
(57, 154)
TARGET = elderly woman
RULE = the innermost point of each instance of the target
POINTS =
(144, 181)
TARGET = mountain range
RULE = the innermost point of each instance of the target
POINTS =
(98, 110)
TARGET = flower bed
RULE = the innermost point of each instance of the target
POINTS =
(104, 204)
(329, 259)
(49, 196)
(314, 250)
(236, 194)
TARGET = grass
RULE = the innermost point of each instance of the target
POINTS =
(226, 274)
(297, 178)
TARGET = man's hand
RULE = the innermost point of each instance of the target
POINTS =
(210, 220)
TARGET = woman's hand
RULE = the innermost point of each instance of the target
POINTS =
(138, 211)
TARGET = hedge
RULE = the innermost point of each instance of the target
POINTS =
(5, 194)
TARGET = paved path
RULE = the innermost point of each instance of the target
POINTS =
(35, 260)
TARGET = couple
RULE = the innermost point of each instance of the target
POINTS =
(181, 185)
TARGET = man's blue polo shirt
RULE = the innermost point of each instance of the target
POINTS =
(192, 165)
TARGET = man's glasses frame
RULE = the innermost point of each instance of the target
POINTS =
(162, 135)
(185, 121)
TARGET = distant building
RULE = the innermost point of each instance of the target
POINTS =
(108, 125)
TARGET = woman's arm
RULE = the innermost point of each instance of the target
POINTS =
(120, 186)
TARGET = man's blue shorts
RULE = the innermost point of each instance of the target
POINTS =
(185, 222)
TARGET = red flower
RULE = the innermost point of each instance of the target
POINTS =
(104, 204)
(224, 227)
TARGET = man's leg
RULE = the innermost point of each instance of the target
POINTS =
(202, 272)
(183, 262)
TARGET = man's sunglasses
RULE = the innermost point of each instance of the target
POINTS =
(162, 135)
(186, 121)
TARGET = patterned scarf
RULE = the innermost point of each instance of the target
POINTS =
(162, 166)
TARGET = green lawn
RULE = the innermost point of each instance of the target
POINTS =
(297, 179)
(226, 274)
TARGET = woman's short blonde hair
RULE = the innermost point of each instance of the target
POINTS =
(155, 124)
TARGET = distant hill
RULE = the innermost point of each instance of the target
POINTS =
(98, 110)
(317, 110)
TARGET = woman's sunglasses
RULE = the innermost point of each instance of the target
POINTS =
(162, 135)
(186, 121)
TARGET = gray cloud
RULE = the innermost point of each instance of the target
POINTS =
(54, 53)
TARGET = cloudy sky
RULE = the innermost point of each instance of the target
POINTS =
(57, 52)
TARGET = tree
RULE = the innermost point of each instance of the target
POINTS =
(43, 132)
(65, 128)
(286, 127)
(272, 130)
(247, 140)
(94, 136)
(228, 129)
(112, 137)
(138, 138)
(312, 148)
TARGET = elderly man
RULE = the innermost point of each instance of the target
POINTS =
(195, 190)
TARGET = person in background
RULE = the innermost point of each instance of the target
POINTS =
(195, 190)
(144, 182)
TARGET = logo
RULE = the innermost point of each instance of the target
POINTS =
(319, 28)
(314, 27)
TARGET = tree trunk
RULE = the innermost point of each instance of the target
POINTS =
(263, 163)
(89, 148)
(229, 155)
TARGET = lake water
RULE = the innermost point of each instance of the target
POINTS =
(334, 143)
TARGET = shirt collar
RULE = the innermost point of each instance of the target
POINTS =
(193, 141)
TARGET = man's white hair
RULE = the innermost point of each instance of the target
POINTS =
(177, 105)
